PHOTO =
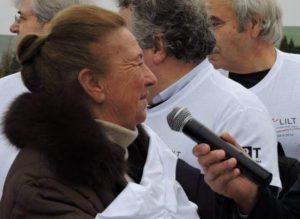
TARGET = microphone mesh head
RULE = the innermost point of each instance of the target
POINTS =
(178, 117)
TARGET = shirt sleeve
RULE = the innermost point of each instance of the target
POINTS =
(254, 131)
(267, 206)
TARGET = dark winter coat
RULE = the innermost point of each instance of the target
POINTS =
(67, 169)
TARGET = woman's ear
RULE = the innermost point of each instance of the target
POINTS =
(91, 84)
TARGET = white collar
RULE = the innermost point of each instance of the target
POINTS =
(179, 84)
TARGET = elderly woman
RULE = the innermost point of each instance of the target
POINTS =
(84, 153)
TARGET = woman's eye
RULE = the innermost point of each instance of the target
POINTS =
(214, 23)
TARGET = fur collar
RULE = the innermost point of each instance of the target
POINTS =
(63, 130)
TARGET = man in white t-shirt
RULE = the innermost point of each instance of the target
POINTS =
(33, 17)
(245, 49)
(175, 39)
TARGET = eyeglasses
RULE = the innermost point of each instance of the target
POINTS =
(20, 18)
(17, 19)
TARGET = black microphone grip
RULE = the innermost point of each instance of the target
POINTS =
(249, 168)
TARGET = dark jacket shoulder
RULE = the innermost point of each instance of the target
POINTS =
(65, 160)
(32, 190)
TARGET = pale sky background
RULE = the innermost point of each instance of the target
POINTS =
(291, 15)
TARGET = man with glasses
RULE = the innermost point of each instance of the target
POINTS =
(26, 20)
(33, 17)
(246, 33)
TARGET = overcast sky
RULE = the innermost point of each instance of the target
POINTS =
(291, 15)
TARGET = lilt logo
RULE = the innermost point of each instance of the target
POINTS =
(286, 127)
(285, 121)
(177, 153)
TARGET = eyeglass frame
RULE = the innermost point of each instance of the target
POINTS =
(19, 17)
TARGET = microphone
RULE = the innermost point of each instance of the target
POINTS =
(181, 120)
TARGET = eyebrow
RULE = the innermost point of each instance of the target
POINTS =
(214, 18)
(22, 13)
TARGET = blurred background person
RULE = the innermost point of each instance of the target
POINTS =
(83, 150)
(33, 17)
(126, 9)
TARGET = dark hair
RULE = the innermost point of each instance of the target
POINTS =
(124, 3)
(183, 23)
(51, 62)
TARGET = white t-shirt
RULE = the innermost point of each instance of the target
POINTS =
(221, 105)
(158, 195)
(10, 87)
(279, 90)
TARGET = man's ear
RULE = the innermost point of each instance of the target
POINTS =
(159, 52)
(92, 85)
(256, 26)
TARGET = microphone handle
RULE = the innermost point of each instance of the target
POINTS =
(249, 168)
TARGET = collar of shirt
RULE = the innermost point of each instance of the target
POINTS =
(177, 86)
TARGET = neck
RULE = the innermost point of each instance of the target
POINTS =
(259, 58)
(167, 73)
(118, 134)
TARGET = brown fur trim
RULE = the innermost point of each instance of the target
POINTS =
(61, 127)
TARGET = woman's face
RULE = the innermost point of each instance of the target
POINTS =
(127, 81)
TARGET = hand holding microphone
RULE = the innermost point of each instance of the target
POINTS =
(181, 120)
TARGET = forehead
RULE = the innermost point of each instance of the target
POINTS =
(25, 7)
(219, 7)
(123, 43)
(119, 45)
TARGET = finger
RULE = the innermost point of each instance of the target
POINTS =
(217, 170)
(201, 150)
(211, 158)
(227, 137)
(222, 183)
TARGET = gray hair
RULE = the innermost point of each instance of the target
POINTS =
(183, 23)
(270, 14)
(47, 9)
